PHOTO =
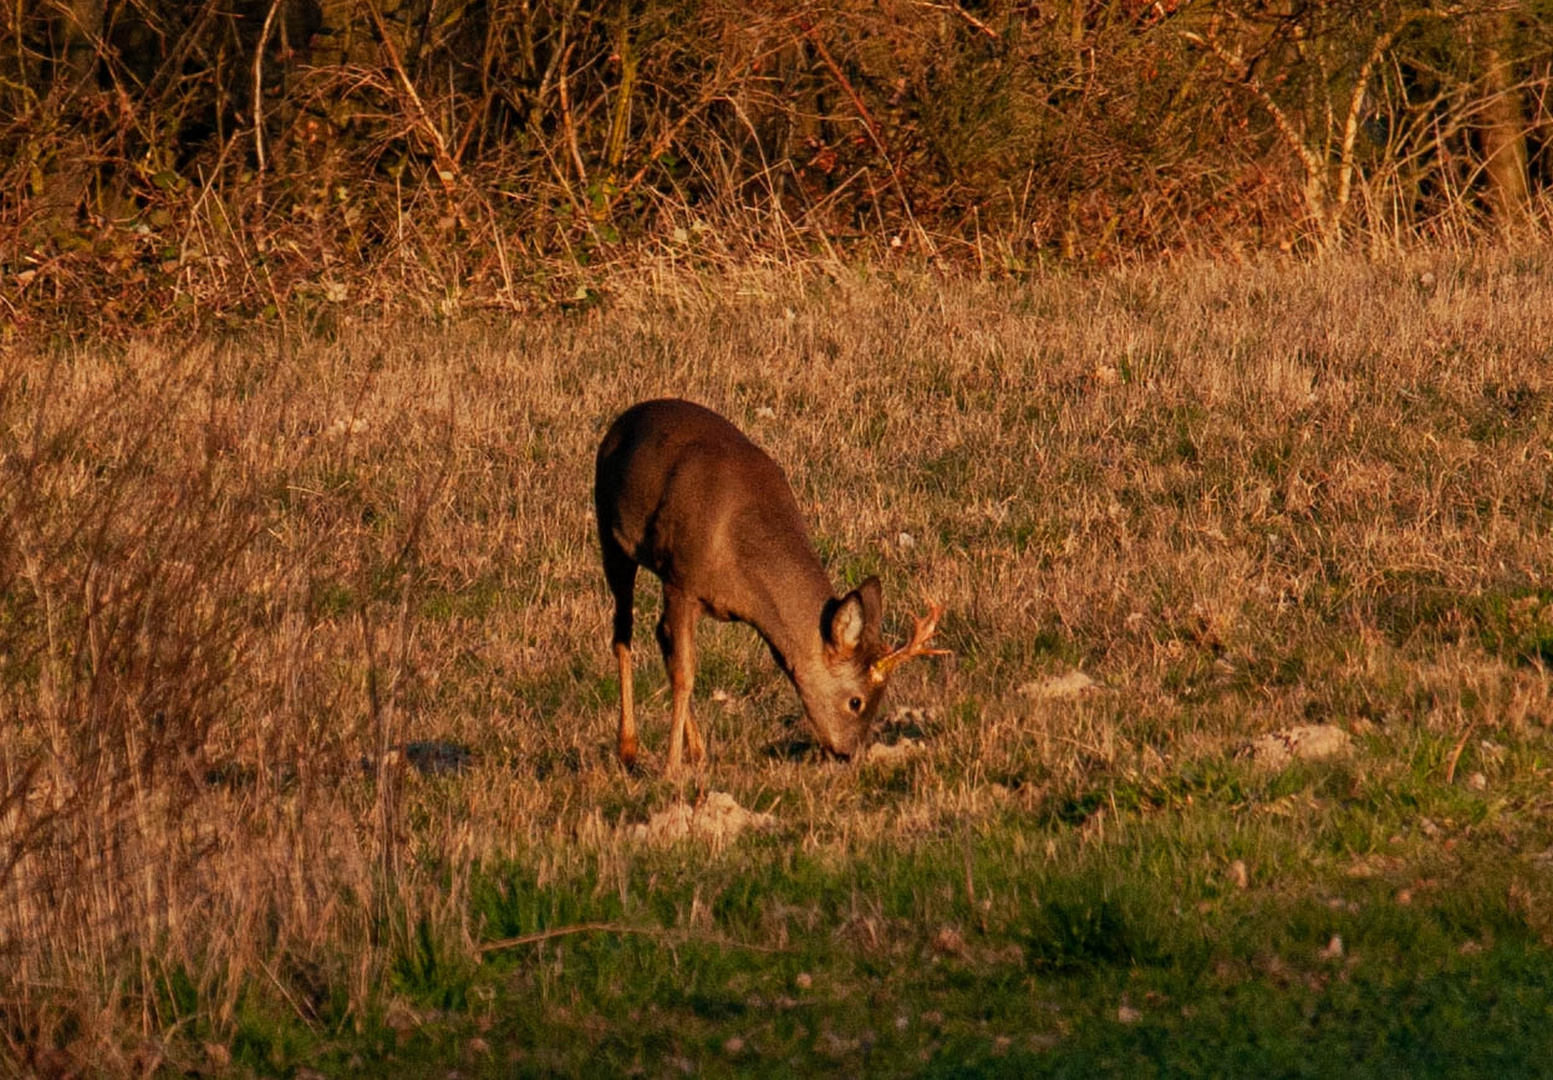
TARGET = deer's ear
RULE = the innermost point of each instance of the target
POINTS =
(844, 626)
(853, 620)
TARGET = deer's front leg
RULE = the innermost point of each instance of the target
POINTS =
(677, 638)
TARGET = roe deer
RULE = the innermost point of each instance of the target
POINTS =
(682, 492)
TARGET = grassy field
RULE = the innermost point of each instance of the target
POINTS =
(238, 577)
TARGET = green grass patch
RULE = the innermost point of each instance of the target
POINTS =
(1009, 950)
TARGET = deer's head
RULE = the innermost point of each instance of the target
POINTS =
(842, 700)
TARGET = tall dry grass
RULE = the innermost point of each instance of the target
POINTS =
(237, 574)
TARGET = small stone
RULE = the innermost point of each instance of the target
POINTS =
(733, 1045)
(1333, 950)
(803, 980)
(1126, 1014)
(1477, 782)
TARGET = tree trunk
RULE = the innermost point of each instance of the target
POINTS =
(1503, 127)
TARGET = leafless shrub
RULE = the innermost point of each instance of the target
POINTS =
(298, 160)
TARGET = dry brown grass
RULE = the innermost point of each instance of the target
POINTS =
(234, 574)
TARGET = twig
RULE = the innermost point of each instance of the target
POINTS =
(1315, 178)
(663, 142)
(1356, 107)
(566, 122)
(1461, 744)
(302, 1009)
(868, 125)
(956, 9)
(206, 186)
(618, 928)
(258, 89)
(447, 168)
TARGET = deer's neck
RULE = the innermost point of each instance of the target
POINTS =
(789, 618)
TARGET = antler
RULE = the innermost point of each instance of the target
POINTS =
(924, 627)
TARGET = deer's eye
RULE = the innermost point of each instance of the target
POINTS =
(856, 704)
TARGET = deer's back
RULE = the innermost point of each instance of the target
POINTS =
(685, 494)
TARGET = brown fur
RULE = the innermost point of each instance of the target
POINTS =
(682, 492)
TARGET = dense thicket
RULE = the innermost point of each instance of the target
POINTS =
(228, 155)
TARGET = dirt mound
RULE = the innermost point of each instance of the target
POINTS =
(894, 753)
(715, 818)
(1305, 742)
(1070, 685)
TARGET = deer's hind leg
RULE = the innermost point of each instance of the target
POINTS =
(620, 572)
(677, 639)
